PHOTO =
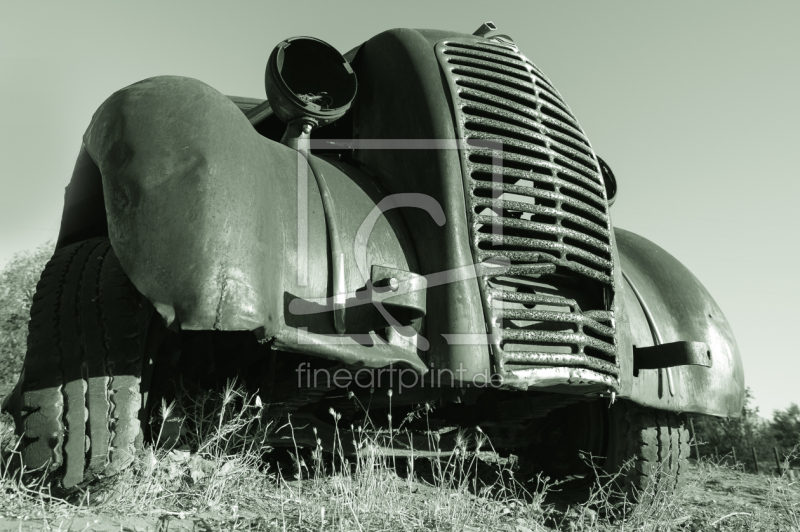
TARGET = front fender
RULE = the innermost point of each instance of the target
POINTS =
(206, 215)
(186, 184)
(682, 310)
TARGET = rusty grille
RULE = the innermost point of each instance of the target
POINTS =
(535, 197)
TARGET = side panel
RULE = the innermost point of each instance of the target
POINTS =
(682, 309)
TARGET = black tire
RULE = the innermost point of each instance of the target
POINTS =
(90, 336)
(653, 444)
(644, 449)
(562, 442)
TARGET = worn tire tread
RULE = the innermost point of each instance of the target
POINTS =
(81, 387)
(655, 441)
(127, 344)
(42, 394)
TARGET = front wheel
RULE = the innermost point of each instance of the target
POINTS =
(90, 337)
(643, 449)
(648, 448)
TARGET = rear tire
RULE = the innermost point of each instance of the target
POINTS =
(653, 444)
(89, 336)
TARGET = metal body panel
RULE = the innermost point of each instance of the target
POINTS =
(388, 244)
(203, 215)
(681, 310)
(401, 96)
(184, 180)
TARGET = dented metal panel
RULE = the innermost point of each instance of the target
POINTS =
(184, 181)
(204, 216)
(682, 310)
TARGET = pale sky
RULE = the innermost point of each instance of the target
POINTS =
(695, 105)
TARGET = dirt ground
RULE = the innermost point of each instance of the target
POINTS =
(723, 492)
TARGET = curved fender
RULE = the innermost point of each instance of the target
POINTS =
(682, 310)
(203, 215)
(194, 200)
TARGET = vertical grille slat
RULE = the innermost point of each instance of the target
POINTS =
(536, 199)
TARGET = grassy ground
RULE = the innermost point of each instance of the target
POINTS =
(221, 475)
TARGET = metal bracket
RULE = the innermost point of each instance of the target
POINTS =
(401, 292)
(671, 355)
(391, 298)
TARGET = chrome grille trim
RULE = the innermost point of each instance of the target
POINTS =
(540, 203)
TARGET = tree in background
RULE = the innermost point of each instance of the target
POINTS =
(741, 434)
(723, 436)
(785, 428)
(17, 286)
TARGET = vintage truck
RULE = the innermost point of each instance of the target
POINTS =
(426, 208)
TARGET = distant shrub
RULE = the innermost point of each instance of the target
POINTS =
(17, 285)
(750, 431)
(736, 435)
(786, 427)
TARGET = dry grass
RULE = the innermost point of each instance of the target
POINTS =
(221, 475)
